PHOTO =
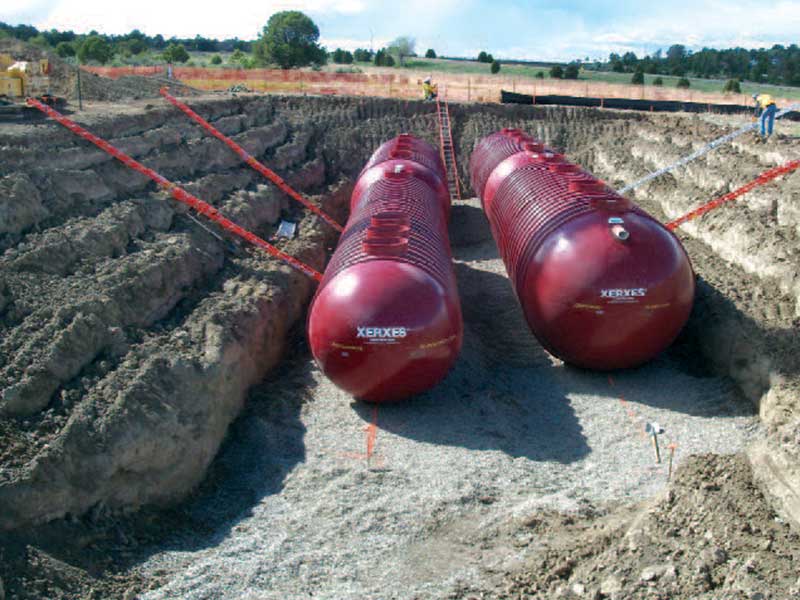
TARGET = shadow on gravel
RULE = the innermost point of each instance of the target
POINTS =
(500, 395)
(657, 385)
(518, 414)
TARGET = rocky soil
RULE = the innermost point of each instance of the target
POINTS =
(711, 535)
(129, 337)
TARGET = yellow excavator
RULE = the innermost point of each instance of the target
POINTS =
(20, 79)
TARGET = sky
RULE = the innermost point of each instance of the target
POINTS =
(523, 29)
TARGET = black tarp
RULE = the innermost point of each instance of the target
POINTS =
(630, 104)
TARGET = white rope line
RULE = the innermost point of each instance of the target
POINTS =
(702, 151)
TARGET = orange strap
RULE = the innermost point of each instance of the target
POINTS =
(178, 193)
(765, 177)
(250, 160)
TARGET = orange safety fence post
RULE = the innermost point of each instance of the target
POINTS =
(765, 177)
(250, 160)
(628, 410)
(178, 193)
(372, 433)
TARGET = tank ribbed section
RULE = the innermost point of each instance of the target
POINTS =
(397, 213)
(418, 225)
(407, 147)
(602, 284)
(531, 203)
(494, 149)
(385, 323)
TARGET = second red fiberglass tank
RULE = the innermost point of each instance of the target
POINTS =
(603, 285)
(386, 320)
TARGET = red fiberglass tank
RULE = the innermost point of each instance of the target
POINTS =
(385, 323)
(603, 285)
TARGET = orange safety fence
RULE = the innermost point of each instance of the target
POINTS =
(461, 87)
(250, 160)
(765, 177)
(178, 193)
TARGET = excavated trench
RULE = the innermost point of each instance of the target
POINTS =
(136, 347)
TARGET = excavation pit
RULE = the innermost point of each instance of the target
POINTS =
(130, 338)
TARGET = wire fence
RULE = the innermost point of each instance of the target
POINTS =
(407, 84)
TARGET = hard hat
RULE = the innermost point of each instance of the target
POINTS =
(426, 80)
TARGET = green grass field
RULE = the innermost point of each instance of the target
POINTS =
(441, 65)
(701, 85)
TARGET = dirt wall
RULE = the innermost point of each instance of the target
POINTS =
(129, 333)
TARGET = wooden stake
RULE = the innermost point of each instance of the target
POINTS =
(671, 456)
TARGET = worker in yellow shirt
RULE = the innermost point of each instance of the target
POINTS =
(765, 110)
(429, 90)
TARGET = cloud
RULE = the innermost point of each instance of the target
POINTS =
(353, 43)
(525, 29)
(347, 7)
(24, 11)
(711, 23)
(240, 18)
(695, 24)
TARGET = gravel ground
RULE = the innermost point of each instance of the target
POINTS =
(315, 501)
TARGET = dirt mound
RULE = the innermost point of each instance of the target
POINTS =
(712, 535)
(131, 87)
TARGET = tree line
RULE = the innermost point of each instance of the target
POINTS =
(68, 43)
(779, 65)
(289, 39)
